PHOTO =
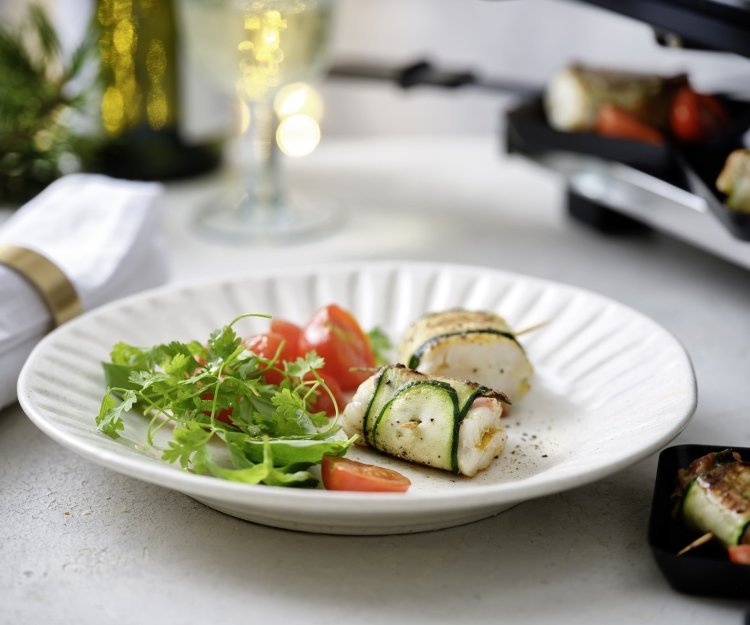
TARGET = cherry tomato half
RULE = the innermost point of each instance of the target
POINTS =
(696, 116)
(612, 121)
(266, 345)
(739, 554)
(344, 474)
(337, 337)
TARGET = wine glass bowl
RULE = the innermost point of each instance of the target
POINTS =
(279, 43)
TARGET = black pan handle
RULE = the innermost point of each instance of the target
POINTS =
(424, 73)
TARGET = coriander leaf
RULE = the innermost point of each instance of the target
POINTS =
(222, 343)
(249, 367)
(109, 419)
(178, 364)
(380, 345)
(305, 364)
(144, 379)
(290, 414)
(188, 439)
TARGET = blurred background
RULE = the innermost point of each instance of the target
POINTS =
(526, 40)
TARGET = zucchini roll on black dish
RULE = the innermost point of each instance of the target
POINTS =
(468, 345)
(734, 180)
(439, 422)
(715, 497)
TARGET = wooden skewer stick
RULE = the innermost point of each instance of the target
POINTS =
(536, 326)
(702, 540)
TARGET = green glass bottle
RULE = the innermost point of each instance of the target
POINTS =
(143, 107)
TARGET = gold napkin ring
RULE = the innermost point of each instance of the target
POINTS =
(51, 283)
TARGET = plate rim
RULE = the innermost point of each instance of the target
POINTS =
(473, 496)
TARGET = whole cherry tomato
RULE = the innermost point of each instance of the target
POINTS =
(290, 331)
(336, 336)
(323, 401)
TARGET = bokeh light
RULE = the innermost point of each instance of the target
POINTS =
(298, 135)
(296, 98)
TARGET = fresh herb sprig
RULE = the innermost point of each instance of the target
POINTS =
(217, 391)
(380, 345)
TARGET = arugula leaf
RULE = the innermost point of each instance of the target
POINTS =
(299, 453)
(263, 472)
(118, 376)
(286, 477)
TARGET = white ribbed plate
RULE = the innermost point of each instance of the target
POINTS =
(611, 387)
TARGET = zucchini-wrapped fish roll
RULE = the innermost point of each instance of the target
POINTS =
(715, 497)
(468, 345)
(439, 422)
(734, 180)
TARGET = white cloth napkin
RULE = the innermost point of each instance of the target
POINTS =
(104, 236)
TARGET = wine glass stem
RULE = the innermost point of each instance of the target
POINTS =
(264, 191)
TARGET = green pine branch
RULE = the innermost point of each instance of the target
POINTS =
(37, 103)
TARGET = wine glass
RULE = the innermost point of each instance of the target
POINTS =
(279, 42)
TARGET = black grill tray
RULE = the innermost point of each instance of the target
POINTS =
(694, 168)
(705, 570)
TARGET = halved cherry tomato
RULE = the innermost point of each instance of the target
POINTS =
(290, 331)
(612, 121)
(323, 401)
(266, 345)
(739, 554)
(696, 116)
(337, 337)
(344, 474)
(225, 415)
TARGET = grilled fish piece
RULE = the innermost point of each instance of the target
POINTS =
(478, 346)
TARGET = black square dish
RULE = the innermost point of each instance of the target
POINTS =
(701, 173)
(705, 570)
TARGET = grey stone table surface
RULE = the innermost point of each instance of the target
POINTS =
(82, 544)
